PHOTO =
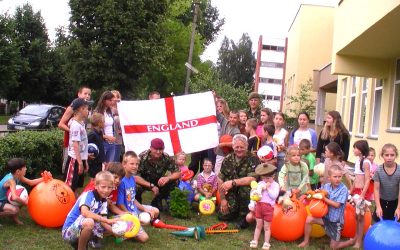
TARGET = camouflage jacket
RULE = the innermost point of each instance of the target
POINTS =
(232, 169)
(152, 170)
(256, 115)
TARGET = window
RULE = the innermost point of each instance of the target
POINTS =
(344, 88)
(274, 48)
(271, 64)
(396, 101)
(270, 80)
(352, 102)
(363, 107)
(377, 107)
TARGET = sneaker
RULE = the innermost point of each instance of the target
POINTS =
(242, 224)
(95, 243)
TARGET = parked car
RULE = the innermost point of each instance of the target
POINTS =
(36, 116)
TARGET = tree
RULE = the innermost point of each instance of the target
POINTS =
(236, 63)
(113, 43)
(31, 38)
(302, 101)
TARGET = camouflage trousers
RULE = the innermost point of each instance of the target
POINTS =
(238, 201)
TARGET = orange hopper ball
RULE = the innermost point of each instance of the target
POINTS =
(289, 226)
(50, 202)
(350, 224)
(226, 138)
(318, 208)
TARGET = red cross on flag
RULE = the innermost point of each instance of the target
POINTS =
(185, 123)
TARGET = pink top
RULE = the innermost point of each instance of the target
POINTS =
(260, 131)
(270, 194)
(373, 168)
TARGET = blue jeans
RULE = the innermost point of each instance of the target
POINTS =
(109, 150)
(117, 153)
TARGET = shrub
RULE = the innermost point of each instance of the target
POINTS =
(42, 150)
(179, 205)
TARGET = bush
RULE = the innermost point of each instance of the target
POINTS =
(179, 206)
(42, 150)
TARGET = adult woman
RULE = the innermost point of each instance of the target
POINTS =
(117, 126)
(303, 131)
(104, 106)
(237, 171)
(334, 130)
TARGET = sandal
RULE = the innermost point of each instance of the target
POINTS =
(253, 244)
(266, 246)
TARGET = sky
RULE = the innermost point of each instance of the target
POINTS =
(270, 18)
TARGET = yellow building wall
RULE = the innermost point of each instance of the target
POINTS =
(309, 47)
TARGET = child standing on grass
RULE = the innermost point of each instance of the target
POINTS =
(127, 191)
(95, 136)
(386, 185)
(88, 217)
(305, 151)
(265, 207)
(254, 141)
(294, 173)
(361, 183)
(374, 167)
(207, 181)
(78, 146)
(16, 175)
(334, 220)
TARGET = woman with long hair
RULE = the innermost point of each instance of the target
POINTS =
(334, 130)
(303, 131)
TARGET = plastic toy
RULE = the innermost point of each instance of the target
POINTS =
(317, 207)
(349, 227)
(50, 202)
(197, 232)
(144, 218)
(226, 139)
(383, 235)
(21, 192)
(160, 224)
(288, 225)
(317, 231)
(265, 152)
(255, 194)
(133, 225)
(206, 206)
(93, 149)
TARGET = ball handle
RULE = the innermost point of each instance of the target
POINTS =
(47, 176)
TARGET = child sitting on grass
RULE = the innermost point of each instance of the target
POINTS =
(88, 217)
(334, 220)
(207, 181)
(17, 168)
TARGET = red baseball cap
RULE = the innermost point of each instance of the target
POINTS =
(157, 143)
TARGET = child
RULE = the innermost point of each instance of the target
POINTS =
(361, 183)
(386, 185)
(242, 121)
(78, 146)
(371, 157)
(84, 93)
(17, 168)
(254, 141)
(280, 136)
(334, 220)
(294, 173)
(305, 151)
(269, 131)
(333, 156)
(88, 217)
(265, 207)
(266, 117)
(127, 190)
(207, 181)
(96, 164)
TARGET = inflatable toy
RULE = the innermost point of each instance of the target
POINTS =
(295, 217)
(383, 235)
(186, 174)
(185, 186)
(133, 225)
(160, 224)
(317, 207)
(21, 192)
(50, 202)
(225, 139)
(266, 153)
(197, 232)
(350, 224)
(144, 218)
(317, 231)
(206, 206)
(93, 149)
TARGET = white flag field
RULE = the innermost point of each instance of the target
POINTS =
(185, 123)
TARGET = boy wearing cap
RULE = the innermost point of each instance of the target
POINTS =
(264, 209)
(154, 164)
(78, 145)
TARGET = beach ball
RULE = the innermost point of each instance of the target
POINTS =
(266, 153)
(119, 228)
(50, 202)
(383, 235)
(93, 149)
(226, 138)
(21, 192)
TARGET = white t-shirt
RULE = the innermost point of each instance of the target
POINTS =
(108, 124)
(77, 132)
(280, 137)
(300, 135)
(357, 168)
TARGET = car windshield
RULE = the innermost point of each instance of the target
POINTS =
(37, 110)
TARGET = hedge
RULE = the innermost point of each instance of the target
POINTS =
(42, 150)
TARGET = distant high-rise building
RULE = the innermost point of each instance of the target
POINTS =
(270, 71)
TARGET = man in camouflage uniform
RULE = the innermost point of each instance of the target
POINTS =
(254, 110)
(154, 164)
(234, 179)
